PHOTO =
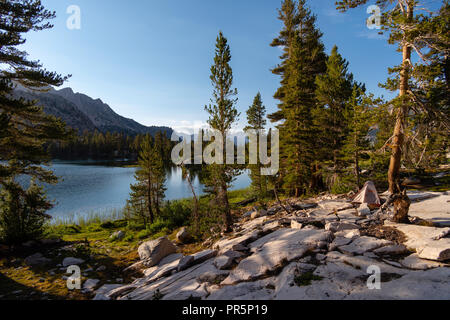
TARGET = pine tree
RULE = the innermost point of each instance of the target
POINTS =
(334, 89)
(256, 121)
(222, 116)
(420, 32)
(359, 117)
(147, 194)
(25, 128)
(306, 60)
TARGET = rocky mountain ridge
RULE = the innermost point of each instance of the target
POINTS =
(81, 112)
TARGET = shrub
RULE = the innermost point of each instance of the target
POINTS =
(22, 212)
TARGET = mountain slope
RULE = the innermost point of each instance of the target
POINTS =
(81, 112)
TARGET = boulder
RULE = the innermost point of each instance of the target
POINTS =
(296, 225)
(71, 261)
(90, 285)
(364, 210)
(118, 235)
(183, 236)
(223, 262)
(340, 226)
(152, 252)
(185, 263)
(364, 244)
(414, 262)
(202, 256)
(37, 259)
(334, 205)
(391, 250)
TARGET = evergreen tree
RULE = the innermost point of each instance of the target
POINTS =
(359, 117)
(222, 116)
(334, 89)
(421, 32)
(147, 194)
(25, 128)
(306, 60)
(256, 121)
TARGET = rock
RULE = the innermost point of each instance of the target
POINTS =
(271, 251)
(183, 236)
(223, 262)
(414, 262)
(118, 235)
(364, 244)
(152, 252)
(120, 291)
(296, 225)
(202, 256)
(164, 268)
(101, 268)
(239, 247)
(340, 226)
(391, 250)
(190, 290)
(233, 254)
(270, 227)
(212, 277)
(135, 266)
(233, 244)
(180, 285)
(185, 263)
(259, 214)
(30, 244)
(257, 290)
(320, 257)
(37, 259)
(364, 210)
(432, 206)
(71, 261)
(422, 240)
(416, 285)
(90, 284)
(332, 205)
(106, 288)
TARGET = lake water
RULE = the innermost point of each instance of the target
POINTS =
(88, 188)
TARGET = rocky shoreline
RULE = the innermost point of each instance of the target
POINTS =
(322, 248)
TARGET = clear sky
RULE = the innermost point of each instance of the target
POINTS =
(150, 59)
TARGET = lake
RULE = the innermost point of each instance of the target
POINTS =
(89, 188)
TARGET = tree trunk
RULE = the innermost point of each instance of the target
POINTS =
(357, 173)
(400, 208)
(226, 214)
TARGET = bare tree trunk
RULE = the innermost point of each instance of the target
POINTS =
(196, 215)
(357, 173)
(226, 213)
(401, 209)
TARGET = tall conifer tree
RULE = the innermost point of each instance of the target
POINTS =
(222, 116)
(257, 121)
(25, 128)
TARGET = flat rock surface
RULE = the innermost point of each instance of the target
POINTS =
(432, 206)
(325, 258)
(426, 241)
(364, 244)
(271, 251)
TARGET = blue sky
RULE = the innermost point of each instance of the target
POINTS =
(150, 59)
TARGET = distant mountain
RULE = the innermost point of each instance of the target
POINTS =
(81, 112)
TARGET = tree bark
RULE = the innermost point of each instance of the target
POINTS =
(400, 210)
